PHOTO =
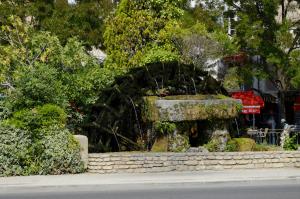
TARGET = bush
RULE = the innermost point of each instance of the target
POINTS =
(37, 86)
(15, 146)
(164, 128)
(212, 146)
(60, 152)
(245, 144)
(232, 146)
(290, 144)
(53, 151)
(39, 117)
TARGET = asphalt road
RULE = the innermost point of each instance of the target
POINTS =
(286, 189)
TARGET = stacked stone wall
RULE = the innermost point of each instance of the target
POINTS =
(166, 162)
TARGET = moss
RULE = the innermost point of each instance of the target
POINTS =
(195, 97)
(245, 144)
(189, 108)
(232, 146)
(264, 147)
(178, 143)
(160, 145)
(149, 110)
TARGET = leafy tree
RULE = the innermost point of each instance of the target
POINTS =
(208, 12)
(37, 70)
(266, 28)
(85, 19)
(161, 31)
(139, 33)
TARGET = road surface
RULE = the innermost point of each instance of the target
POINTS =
(280, 189)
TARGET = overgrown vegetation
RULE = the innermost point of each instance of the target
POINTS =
(290, 143)
(51, 87)
(50, 150)
(164, 128)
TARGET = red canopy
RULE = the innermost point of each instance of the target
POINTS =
(251, 103)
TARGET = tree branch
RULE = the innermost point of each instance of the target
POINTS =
(38, 55)
(294, 44)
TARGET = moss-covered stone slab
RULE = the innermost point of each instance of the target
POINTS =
(189, 108)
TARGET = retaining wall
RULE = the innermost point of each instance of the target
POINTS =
(165, 162)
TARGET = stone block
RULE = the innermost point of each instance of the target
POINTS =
(121, 167)
(241, 162)
(135, 166)
(148, 165)
(93, 163)
(286, 160)
(214, 167)
(238, 157)
(191, 162)
(84, 154)
(125, 159)
(240, 166)
(277, 165)
(115, 158)
(210, 162)
(258, 161)
(107, 167)
(229, 162)
(188, 108)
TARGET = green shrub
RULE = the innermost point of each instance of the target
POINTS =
(60, 152)
(165, 128)
(245, 144)
(4, 109)
(212, 146)
(37, 86)
(53, 151)
(231, 146)
(15, 155)
(290, 144)
(39, 117)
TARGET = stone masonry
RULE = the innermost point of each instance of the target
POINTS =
(166, 162)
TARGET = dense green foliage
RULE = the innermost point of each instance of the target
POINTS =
(38, 118)
(49, 151)
(39, 70)
(85, 19)
(266, 28)
(47, 87)
(165, 128)
(290, 143)
(51, 85)
(142, 33)
(233, 145)
(139, 33)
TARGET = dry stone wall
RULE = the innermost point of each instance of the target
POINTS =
(166, 162)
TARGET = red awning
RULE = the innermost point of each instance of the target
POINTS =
(251, 103)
